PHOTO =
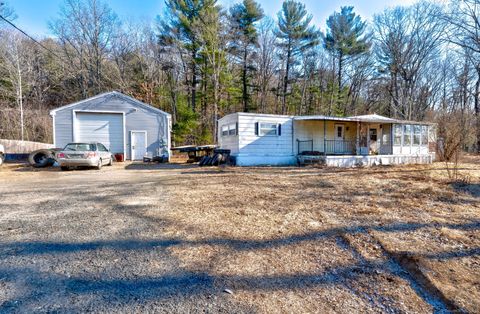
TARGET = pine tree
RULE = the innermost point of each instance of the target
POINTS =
(295, 35)
(345, 37)
(183, 17)
(243, 17)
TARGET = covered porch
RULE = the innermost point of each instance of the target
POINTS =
(335, 136)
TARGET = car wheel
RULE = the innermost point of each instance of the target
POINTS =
(2, 158)
(99, 166)
(64, 168)
(110, 162)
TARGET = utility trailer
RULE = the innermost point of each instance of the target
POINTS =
(206, 155)
(195, 153)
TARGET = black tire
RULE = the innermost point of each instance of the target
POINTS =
(111, 161)
(216, 160)
(64, 168)
(2, 158)
(41, 158)
(202, 161)
(206, 161)
(99, 166)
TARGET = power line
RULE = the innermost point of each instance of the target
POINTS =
(43, 46)
(33, 39)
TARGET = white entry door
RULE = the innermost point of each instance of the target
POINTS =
(339, 138)
(139, 144)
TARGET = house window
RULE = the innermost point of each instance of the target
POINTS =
(397, 134)
(267, 129)
(224, 130)
(339, 131)
(229, 129)
(232, 129)
(407, 134)
(424, 135)
(416, 134)
(373, 135)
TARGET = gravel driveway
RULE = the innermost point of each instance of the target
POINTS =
(79, 241)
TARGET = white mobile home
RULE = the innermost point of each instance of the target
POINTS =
(264, 139)
(123, 124)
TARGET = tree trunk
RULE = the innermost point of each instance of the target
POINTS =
(285, 82)
(20, 93)
(194, 80)
(477, 109)
(244, 81)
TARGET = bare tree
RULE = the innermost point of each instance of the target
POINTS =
(85, 30)
(407, 39)
(464, 19)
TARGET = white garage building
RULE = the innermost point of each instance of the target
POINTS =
(123, 124)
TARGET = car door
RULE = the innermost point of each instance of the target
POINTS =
(104, 153)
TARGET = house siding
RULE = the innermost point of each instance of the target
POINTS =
(231, 141)
(252, 144)
(251, 149)
(137, 117)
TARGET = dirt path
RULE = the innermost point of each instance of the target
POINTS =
(283, 240)
(86, 241)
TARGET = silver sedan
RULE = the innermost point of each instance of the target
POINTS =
(84, 155)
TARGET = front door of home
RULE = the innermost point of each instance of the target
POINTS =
(372, 133)
(339, 138)
(139, 144)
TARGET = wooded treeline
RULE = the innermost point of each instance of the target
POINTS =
(200, 61)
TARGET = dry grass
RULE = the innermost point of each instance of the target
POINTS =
(318, 240)
(310, 240)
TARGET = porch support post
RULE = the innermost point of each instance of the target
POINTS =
(368, 138)
(357, 144)
(324, 137)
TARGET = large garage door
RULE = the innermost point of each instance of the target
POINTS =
(106, 128)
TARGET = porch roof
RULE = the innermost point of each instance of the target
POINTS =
(369, 118)
(320, 117)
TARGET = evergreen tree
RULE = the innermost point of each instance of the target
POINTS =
(295, 35)
(345, 37)
(243, 17)
(183, 17)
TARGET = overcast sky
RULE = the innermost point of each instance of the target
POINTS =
(33, 15)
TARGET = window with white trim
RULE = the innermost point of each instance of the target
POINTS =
(407, 134)
(417, 131)
(270, 129)
(397, 134)
(424, 135)
(229, 129)
(224, 130)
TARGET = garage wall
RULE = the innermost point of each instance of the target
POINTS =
(137, 117)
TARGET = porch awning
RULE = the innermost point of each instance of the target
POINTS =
(369, 118)
(301, 118)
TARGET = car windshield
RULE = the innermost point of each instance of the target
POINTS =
(82, 147)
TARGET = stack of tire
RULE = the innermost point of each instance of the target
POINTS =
(219, 157)
(42, 158)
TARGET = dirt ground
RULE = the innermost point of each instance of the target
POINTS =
(175, 238)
